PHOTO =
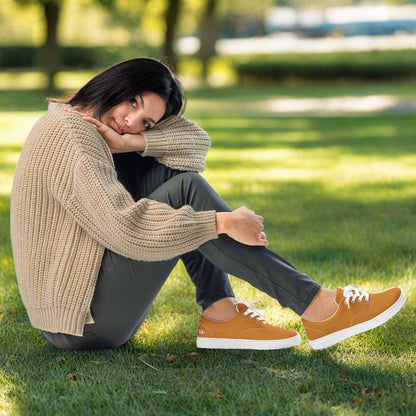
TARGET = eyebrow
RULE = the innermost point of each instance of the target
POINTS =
(142, 103)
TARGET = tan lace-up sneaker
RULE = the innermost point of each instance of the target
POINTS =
(246, 330)
(358, 311)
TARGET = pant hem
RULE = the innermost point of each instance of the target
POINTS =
(208, 301)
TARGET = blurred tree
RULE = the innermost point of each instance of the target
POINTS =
(147, 17)
(209, 35)
(244, 17)
(50, 50)
(171, 18)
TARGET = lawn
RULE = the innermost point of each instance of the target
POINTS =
(338, 197)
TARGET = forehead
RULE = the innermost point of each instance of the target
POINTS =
(152, 103)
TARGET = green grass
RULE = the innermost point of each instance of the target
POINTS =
(338, 197)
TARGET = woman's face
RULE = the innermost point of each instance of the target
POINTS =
(137, 115)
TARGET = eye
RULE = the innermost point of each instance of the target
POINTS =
(133, 102)
(146, 124)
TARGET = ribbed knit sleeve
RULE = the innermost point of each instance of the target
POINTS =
(178, 143)
(145, 230)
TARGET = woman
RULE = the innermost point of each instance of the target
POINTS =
(95, 238)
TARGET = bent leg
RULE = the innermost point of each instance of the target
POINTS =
(259, 266)
(143, 175)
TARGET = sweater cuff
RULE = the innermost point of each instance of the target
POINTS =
(155, 143)
(207, 226)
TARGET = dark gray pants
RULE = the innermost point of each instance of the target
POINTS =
(126, 288)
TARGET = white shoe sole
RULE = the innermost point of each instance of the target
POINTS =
(342, 335)
(247, 344)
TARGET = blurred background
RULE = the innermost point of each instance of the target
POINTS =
(214, 42)
(311, 109)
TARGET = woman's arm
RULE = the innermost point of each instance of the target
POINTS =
(242, 224)
(175, 142)
(178, 143)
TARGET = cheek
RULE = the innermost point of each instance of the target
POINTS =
(115, 112)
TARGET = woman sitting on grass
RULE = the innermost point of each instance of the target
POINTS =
(98, 225)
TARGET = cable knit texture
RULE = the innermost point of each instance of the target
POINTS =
(67, 207)
(186, 147)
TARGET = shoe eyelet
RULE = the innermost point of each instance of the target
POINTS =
(353, 301)
(359, 300)
(345, 303)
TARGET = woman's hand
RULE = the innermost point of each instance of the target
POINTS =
(243, 225)
(116, 142)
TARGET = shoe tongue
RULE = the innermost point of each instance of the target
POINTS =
(339, 296)
(241, 307)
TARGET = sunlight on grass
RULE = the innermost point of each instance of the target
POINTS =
(37, 80)
(16, 125)
(337, 195)
(22, 81)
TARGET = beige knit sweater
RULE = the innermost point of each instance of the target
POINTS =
(67, 207)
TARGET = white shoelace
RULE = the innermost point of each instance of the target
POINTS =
(353, 293)
(252, 312)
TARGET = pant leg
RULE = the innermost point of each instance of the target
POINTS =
(123, 295)
(211, 283)
(141, 176)
(259, 266)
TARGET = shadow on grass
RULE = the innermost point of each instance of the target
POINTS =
(361, 232)
(388, 136)
(303, 89)
(136, 379)
(371, 375)
(23, 100)
(307, 222)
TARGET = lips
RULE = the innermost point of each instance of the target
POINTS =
(117, 128)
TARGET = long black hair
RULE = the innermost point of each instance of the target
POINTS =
(124, 80)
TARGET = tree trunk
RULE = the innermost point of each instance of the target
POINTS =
(172, 14)
(50, 50)
(209, 35)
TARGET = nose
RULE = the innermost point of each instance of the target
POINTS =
(132, 121)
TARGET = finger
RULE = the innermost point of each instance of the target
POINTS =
(260, 218)
(72, 110)
(263, 240)
(93, 121)
(262, 236)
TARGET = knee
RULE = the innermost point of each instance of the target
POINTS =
(190, 177)
(192, 180)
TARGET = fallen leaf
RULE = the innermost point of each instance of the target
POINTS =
(217, 395)
(62, 360)
(369, 390)
(72, 376)
(170, 358)
(191, 354)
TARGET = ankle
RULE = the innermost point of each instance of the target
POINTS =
(322, 307)
(221, 310)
